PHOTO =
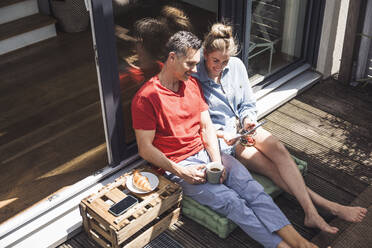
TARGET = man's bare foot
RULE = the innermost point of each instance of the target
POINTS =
(283, 244)
(291, 238)
(348, 213)
(300, 243)
(317, 222)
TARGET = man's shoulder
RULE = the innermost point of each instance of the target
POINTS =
(148, 87)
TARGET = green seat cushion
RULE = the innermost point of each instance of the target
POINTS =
(219, 224)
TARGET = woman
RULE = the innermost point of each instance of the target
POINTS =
(232, 104)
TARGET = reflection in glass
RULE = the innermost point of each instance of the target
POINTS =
(142, 28)
(276, 36)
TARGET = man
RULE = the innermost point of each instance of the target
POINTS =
(174, 132)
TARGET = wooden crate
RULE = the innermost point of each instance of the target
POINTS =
(154, 213)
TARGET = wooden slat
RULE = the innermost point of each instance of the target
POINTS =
(364, 200)
(26, 68)
(51, 131)
(23, 25)
(155, 230)
(60, 160)
(331, 125)
(205, 236)
(337, 144)
(47, 116)
(337, 106)
(295, 214)
(243, 238)
(176, 232)
(84, 241)
(313, 149)
(5, 3)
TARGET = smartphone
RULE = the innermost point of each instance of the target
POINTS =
(123, 205)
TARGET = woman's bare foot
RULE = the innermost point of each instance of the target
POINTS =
(348, 213)
(317, 222)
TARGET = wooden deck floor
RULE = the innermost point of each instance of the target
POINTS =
(329, 126)
(49, 109)
(46, 123)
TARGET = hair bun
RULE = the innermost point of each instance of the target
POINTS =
(221, 31)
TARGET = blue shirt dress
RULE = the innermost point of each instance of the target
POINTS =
(229, 102)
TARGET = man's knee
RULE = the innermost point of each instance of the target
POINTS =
(232, 164)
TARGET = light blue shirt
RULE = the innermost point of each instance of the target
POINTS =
(231, 100)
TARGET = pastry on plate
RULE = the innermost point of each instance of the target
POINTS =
(140, 181)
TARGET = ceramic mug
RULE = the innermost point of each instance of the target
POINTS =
(214, 172)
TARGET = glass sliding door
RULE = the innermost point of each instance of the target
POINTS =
(138, 62)
(276, 36)
(125, 63)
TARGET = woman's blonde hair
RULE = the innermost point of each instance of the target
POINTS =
(220, 38)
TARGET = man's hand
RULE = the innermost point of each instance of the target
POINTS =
(223, 176)
(194, 174)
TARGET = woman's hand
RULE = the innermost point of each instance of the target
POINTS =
(248, 124)
(194, 174)
(229, 138)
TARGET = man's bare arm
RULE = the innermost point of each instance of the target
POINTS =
(209, 137)
(192, 174)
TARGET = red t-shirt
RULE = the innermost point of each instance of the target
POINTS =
(175, 116)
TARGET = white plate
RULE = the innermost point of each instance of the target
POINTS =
(153, 179)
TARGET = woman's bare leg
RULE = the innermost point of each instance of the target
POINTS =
(285, 174)
(258, 162)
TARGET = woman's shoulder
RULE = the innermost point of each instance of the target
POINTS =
(235, 61)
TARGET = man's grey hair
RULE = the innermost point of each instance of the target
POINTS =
(181, 41)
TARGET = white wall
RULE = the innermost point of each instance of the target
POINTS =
(332, 37)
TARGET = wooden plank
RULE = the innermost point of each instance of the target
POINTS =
(328, 123)
(4, 3)
(327, 190)
(357, 235)
(293, 211)
(239, 235)
(313, 149)
(83, 239)
(155, 230)
(176, 232)
(335, 177)
(25, 68)
(46, 115)
(42, 100)
(336, 144)
(23, 25)
(147, 217)
(348, 111)
(206, 237)
(62, 160)
(325, 239)
(349, 41)
(49, 132)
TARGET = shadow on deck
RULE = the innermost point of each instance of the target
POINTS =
(329, 126)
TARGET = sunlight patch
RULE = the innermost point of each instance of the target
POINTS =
(74, 164)
(8, 201)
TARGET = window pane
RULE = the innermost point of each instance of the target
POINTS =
(276, 36)
(139, 50)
